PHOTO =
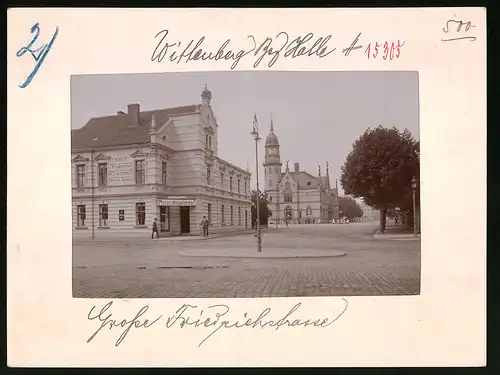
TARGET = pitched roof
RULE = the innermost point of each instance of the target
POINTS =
(115, 130)
(303, 178)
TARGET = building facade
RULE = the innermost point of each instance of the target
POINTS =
(294, 195)
(130, 168)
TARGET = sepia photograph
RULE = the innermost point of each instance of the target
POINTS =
(245, 184)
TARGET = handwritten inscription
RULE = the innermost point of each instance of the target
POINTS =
(269, 50)
(458, 30)
(107, 321)
(385, 50)
(38, 54)
(215, 318)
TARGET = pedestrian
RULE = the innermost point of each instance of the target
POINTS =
(286, 223)
(204, 226)
(155, 230)
(396, 221)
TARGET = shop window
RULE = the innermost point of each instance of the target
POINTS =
(103, 215)
(80, 216)
(140, 213)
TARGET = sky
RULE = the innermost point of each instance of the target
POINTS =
(317, 115)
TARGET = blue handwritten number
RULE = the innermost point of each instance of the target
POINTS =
(38, 54)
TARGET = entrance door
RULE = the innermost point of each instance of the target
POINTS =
(185, 224)
(164, 218)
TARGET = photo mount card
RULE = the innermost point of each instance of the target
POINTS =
(286, 187)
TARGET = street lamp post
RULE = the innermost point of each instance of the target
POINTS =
(255, 134)
(414, 189)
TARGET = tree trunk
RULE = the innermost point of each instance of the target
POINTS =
(383, 216)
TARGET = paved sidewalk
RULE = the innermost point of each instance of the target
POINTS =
(268, 253)
(126, 236)
(396, 233)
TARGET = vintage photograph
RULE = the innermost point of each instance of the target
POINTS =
(245, 184)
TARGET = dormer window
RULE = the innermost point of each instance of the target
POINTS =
(308, 183)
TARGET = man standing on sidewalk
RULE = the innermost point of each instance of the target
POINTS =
(204, 226)
(155, 230)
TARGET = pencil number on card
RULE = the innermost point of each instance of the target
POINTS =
(384, 50)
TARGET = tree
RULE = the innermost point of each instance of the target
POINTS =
(350, 208)
(380, 168)
(264, 211)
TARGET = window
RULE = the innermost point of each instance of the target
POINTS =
(239, 215)
(80, 175)
(238, 186)
(245, 187)
(209, 213)
(103, 215)
(222, 214)
(80, 219)
(103, 174)
(231, 215)
(222, 180)
(288, 198)
(121, 215)
(140, 213)
(209, 143)
(164, 173)
(140, 176)
(270, 182)
(209, 173)
(230, 184)
(206, 140)
(270, 199)
(278, 171)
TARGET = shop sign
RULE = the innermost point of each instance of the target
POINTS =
(177, 201)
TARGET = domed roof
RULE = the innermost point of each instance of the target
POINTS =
(272, 140)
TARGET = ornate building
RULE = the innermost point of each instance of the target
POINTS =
(130, 168)
(295, 195)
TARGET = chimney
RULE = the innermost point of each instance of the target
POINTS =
(296, 167)
(133, 114)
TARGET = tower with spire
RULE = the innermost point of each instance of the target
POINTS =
(272, 161)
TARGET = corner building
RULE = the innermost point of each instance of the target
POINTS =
(295, 195)
(130, 168)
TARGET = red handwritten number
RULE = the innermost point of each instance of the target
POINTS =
(398, 49)
(376, 50)
(391, 51)
(386, 50)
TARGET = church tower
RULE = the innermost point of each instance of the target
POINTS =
(272, 161)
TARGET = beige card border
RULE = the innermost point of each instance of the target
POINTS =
(444, 326)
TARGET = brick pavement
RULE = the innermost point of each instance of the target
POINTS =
(154, 269)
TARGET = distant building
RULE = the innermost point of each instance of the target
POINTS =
(369, 213)
(130, 168)
(295, 195)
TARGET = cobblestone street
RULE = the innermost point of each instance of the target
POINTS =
(134, 268)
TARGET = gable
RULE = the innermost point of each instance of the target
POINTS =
(288, 183)
(207, 118)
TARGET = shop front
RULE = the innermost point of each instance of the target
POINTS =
(175, 214)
